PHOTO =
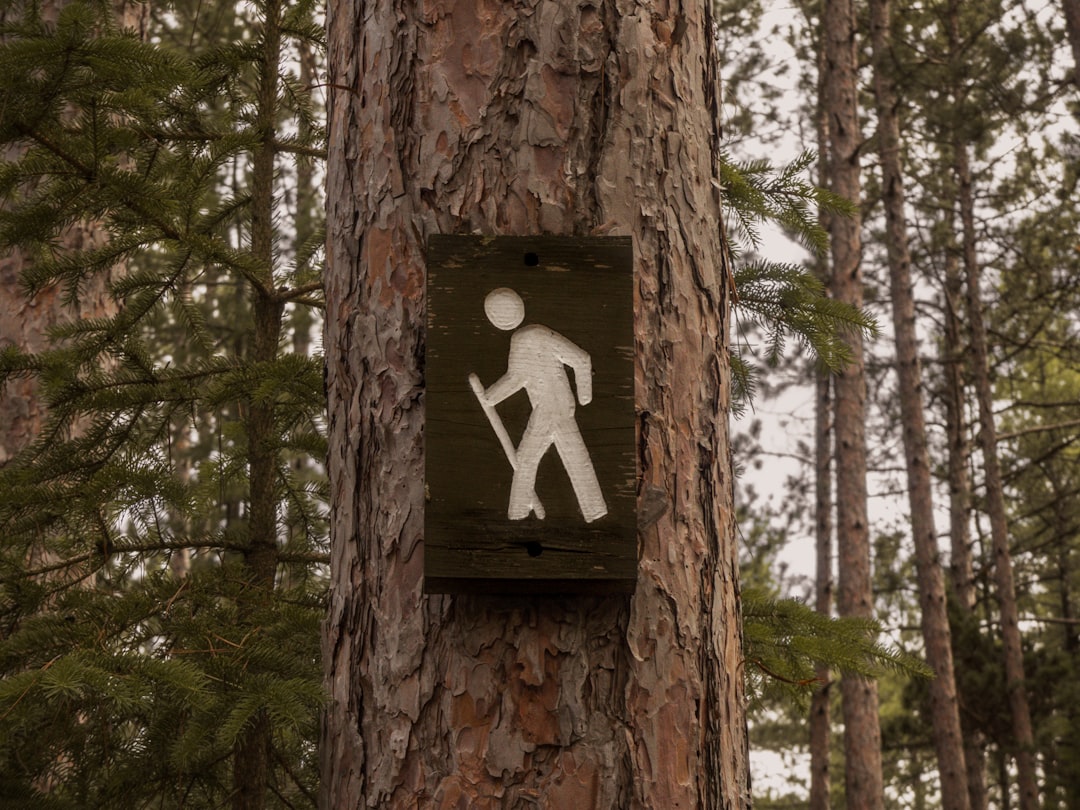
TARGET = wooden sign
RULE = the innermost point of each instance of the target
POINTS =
(531, 477)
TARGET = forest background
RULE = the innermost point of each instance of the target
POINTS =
(163, 565)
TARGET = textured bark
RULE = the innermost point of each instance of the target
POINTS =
(937, 637)
(1012, 647)
(854, 597)
(552, 117)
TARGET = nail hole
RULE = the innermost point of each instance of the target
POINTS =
(531, 260)
(534, 549)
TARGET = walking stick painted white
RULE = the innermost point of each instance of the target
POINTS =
(504, 437)
(496, 422)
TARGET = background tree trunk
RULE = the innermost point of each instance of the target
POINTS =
(1072, 28)
(820, 708)
(26, 322)
(862, 732)
(821, 701)
(560, 118)
(961, 568)
(937, 637)
(1012, 647)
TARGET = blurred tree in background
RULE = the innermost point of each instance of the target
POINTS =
(163, 556)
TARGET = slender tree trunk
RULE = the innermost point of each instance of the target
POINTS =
(820, 721)
(995, 498)
(251, 759)
(944, 707)
(1072, 28)
(961, 566)
(498, 118)
(862, 732)
(960, 563)
(821, 701)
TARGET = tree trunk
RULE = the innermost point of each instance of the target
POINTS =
(937, 637)
(960, 558)
(254, 749)
(821, 701)
(26, 322)
(1012, 648)
(1072, 28)
(961, 568)
(561, 118)
(820, 721)
(995, 499)
(862, 732)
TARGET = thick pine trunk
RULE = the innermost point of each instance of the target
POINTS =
(854, 597)
(502, 118)
(937, 637)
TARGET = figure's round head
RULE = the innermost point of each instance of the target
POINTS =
(504, 308)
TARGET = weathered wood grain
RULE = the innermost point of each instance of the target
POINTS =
(583, 289)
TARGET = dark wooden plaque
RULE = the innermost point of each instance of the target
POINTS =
(514, 325)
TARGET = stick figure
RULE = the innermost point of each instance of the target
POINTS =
(536, 363)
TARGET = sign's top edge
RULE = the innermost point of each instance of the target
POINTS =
(517, 238)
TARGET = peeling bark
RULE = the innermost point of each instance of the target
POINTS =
(569, 117)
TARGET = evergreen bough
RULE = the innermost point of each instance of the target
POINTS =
(782, 300)
(163, 539)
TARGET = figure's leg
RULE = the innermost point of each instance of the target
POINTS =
(575, 457)
(523, 497)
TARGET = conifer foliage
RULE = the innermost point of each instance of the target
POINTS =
(179, 430)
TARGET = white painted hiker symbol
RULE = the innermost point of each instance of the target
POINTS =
(536, 363)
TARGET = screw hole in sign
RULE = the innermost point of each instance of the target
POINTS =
(531, 260)
(534, 549)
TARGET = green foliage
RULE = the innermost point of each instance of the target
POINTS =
(786, 640)
(757, 192)
(784, 301)
(159, 611)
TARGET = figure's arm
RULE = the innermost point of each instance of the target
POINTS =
(507, 385)
(579, 360)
